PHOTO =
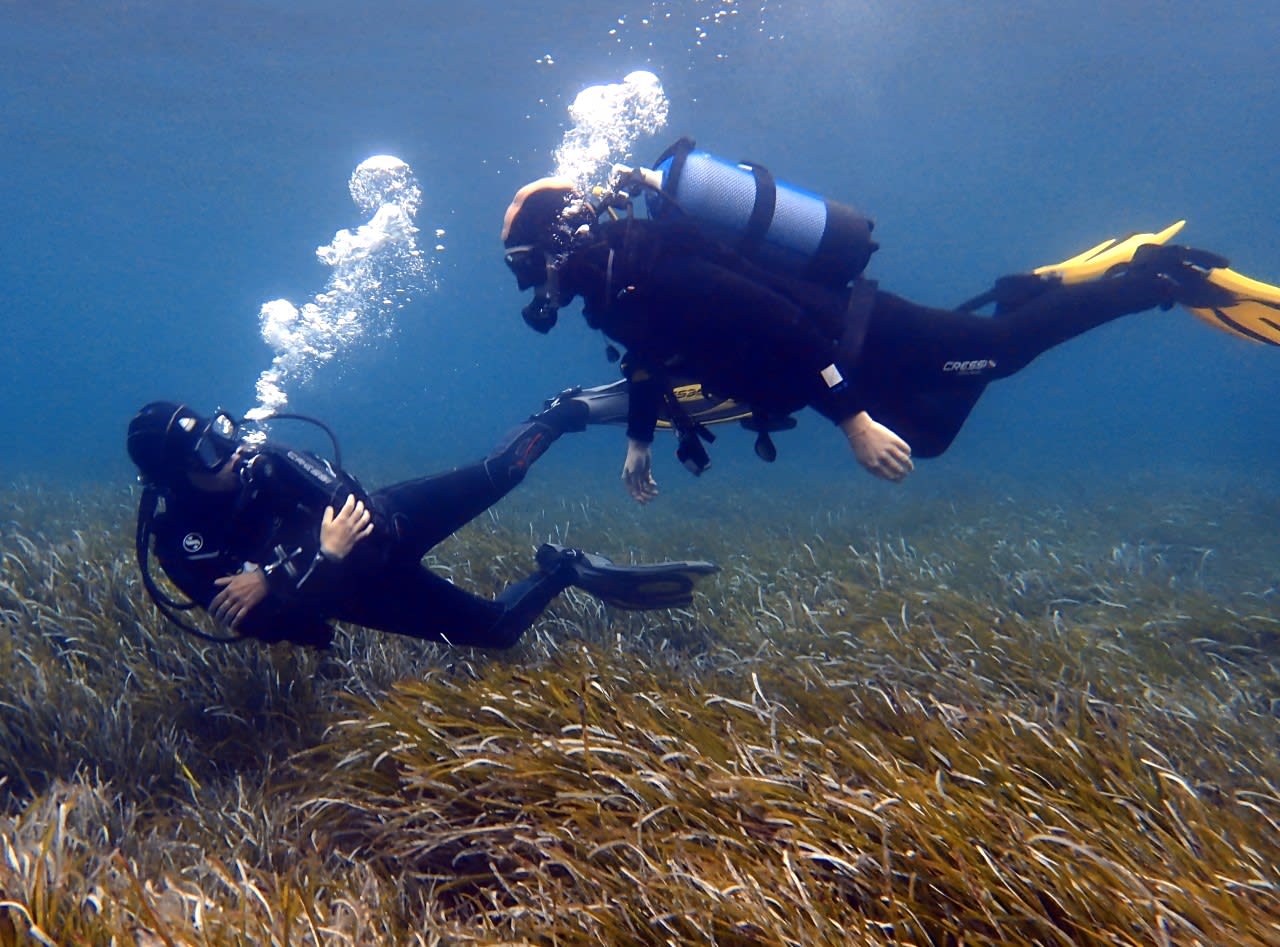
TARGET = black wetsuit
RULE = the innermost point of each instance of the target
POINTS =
(684, 306)
(273, 521)
(921, 370)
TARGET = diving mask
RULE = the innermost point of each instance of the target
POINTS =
(529, 264)
(216, 444)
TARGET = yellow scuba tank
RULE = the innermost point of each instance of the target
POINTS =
(771, 222)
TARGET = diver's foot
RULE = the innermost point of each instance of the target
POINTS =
(574, 408)
(564, 415)
(641, 587)
(1016, 290)
(552, 558)
(1183, 273)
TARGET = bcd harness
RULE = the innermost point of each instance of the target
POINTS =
(773, 224)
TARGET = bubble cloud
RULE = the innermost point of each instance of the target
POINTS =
(608, 120)
(376, 270)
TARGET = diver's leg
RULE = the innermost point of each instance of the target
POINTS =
(606, 404)
(1064, 312)
(417, 603)
(921, 371)
(928, 419)
(409, 599)
(425, 511)
(927, 347)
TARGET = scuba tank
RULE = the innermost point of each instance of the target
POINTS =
(771, 222)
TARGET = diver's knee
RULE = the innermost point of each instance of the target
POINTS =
(506, 634)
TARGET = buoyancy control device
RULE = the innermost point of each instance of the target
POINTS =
(778, 226)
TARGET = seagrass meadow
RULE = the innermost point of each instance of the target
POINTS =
(984, 720)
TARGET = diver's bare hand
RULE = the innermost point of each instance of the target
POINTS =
(240, 593)
(637, 472)
(339, 532)
(881, 451)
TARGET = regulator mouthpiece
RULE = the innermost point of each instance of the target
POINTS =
(540, 315)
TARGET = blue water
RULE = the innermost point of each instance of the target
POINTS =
(165, 169)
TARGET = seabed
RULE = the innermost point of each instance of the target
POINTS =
(1010, 721)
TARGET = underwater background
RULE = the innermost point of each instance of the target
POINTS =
(169, 168)
(1030, 695)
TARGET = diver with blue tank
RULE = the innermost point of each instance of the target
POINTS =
(754, 289)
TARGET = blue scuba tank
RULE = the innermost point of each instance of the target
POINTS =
(771, 222)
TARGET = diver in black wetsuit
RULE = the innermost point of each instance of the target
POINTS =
(274, 543)
(898, 378)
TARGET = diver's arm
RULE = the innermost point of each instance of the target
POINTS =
(881, 451)
(644, 398)
(637, 471)
(247, 605)
(878, 448)
(198, 580)
(239, 594)
(339, 532)
(303, 557)
(193, 569)
(644, 403)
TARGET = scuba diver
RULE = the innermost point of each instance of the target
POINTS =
(274, 543)
(755, 289)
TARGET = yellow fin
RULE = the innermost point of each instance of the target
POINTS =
(1095, 262)
(1255, 313)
